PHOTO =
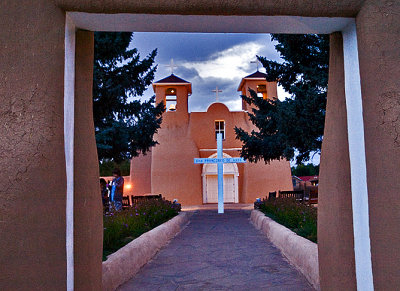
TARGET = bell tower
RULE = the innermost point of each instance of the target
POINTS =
(174, 93)
(257, 82)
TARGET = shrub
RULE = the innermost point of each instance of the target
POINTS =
(121, 227)
(299, 217)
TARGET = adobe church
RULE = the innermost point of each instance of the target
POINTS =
(169, 169)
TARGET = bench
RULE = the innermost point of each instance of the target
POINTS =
(136, 199)
(313, 197)
(298, 195)
(272, 195)
(125, 202)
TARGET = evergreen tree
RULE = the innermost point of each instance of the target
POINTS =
(305, 170)
(124, 126)
(297, 123)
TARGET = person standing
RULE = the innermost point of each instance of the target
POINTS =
(117, 189)
(104, 192)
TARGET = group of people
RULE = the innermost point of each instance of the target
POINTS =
(112, 192)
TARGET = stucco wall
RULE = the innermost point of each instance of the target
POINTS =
(141, 174)
(173, 173)
(335, 220)
(32, 194)
(378, 30)
(340, 8)
(88, 209)
(184, 136)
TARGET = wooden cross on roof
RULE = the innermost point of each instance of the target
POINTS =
(172, 66)
(216, 90)
(257, 62)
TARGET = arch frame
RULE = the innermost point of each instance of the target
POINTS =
(260, 24)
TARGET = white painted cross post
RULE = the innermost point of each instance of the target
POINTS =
(220, 161)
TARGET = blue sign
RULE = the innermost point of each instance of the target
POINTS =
(216, 160)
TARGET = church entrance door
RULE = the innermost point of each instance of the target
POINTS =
(212, 189)
(210, 182)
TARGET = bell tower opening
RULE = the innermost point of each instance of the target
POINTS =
(170, 99)
(174, 93)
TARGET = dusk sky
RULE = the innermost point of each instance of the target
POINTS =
(208, 60)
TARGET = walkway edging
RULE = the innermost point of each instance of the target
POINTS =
(127, 261)
(301, 253)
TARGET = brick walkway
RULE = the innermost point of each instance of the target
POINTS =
(218, 252)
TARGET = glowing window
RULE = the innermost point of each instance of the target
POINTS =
(261, 90)
(170, 100)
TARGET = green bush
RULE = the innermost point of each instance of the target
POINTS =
(121, 227)
(107, 166)
(299, 217)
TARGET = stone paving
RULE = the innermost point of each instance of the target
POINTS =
(218, 252)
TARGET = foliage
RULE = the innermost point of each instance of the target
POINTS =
(107, 166)
(296, 123)
(124, 127)
(305, 170)
(299, 217)
(122, 227)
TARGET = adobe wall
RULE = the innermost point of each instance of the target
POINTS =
(88, 208)
(260, 179)
(173, 173)
(202, 127)
(378, 31)
(335, 218)
(317, 8)
(141, 174)
(32, 194)
(255, 179)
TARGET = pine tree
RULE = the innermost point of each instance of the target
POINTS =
(124, 126)
(297, 123)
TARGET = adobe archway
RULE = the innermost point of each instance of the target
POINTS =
(32, 113)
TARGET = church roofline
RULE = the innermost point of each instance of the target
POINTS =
(173, 80)
(257, 76)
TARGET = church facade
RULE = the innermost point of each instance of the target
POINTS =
(169, 168)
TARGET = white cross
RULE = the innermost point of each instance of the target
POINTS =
(216, 90)
(172, 66)
(220, 161)
(257, 62)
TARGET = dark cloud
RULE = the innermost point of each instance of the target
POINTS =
(184, 46)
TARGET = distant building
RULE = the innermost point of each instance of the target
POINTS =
(169, 169)
(310, 180)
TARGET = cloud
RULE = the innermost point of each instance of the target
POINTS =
(232, 63)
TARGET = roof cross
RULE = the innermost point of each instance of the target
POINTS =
(257, 62)
(216, 90)
(172, 66)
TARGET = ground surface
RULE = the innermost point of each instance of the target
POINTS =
(218, 252)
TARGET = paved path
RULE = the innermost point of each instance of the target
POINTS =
(218, 252)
